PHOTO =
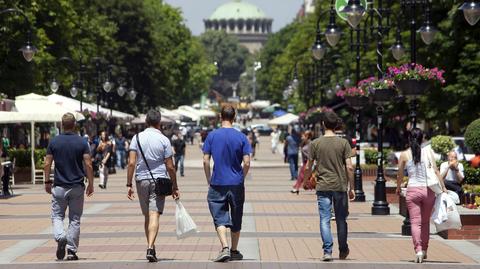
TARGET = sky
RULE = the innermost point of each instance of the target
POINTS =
(194, 11)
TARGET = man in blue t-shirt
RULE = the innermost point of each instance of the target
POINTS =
(72, 163)
(229, 148)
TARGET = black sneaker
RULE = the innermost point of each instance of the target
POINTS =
(61, 244)
(344, 254)
(71, 256)
(151, 255)
(223, 256)
(235, 255)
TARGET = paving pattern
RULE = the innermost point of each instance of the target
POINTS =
(281, 230)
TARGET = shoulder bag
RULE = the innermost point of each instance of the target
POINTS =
(163, 186)
(431, 177)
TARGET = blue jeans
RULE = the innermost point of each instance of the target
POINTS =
(339, 200)
(293, 163)
(121, 158)
(179, 159)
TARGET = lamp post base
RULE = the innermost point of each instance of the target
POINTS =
(380, 208)
(359, 194)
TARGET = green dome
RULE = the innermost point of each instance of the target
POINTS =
(237, 10)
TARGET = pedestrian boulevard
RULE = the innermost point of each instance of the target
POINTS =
(280, 229)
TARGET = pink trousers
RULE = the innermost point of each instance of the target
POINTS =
(420, 201)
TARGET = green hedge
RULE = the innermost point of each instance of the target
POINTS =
(472, 175)
(472, 136)
(22, 157)
(371, 155)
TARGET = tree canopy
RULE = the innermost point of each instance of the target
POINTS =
(455, 49)
(148, 38)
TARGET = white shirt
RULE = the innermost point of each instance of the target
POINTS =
(451, 174)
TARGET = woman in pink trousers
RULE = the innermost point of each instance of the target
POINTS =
(420, 199)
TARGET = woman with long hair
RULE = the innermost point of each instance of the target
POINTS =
(305, 148)
(104, 150)
(420, 198)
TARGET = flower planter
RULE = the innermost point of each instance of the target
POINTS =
(411, 87)
(381, 96)
(357, 102)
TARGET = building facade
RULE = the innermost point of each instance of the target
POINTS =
(244, 20)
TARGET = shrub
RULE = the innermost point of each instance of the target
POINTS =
(371, 155)
(22, 157)
(442, 144)
(472, 175)
(472, 136)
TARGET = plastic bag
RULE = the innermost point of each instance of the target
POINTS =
(453, 217)
(454, 197)
(185, 225)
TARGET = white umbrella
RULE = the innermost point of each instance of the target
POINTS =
(286, 119)
(260, 104)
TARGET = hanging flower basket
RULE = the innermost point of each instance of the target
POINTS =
(412, 87)
(357, 102)
(414, 79)
(381, 96)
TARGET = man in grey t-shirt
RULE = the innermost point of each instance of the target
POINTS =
(158, 153)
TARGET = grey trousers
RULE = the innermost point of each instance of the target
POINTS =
(73, 199)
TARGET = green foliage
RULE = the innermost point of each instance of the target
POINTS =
(148, 38)
(472, 136)
(457, 101)
(22, 157)
(371, 155)
(442, 144)
(230, 58)
(472, 175)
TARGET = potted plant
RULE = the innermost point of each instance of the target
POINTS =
(414, 79)
(356, 97)
(382, 90)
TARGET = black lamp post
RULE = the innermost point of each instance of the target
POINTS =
(355, 11)
(332, 34)
(28, 50)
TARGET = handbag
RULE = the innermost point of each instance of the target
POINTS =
(431, 177)
(163, 185)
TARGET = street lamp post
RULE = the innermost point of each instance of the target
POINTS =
(355, 11)
(28, 50)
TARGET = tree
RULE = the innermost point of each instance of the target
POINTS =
(230, 58)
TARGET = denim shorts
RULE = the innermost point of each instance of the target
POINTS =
(226, 206)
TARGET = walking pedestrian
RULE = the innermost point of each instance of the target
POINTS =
(305, 147)
(420, 199)
(121, 146)
(229, 148)
(179, 147)
(292, 145)
(72, 163)
(150, 153)
(104, 151)
(275, 139)
(334, 171)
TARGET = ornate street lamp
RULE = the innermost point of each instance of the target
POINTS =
(354, 11)
(54, 85)
(28, 50)
(427, 31)
(471, 12)
(398, 50)
(121, 90)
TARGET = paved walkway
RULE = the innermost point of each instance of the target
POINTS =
(281, 230)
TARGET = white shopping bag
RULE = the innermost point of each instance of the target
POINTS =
(185, 225)
(453, 217)
(454, 197)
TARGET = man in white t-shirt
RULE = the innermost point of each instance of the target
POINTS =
(452, 174)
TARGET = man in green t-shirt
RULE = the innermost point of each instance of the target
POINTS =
(334, 177)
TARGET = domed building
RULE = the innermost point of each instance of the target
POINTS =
(244, 20)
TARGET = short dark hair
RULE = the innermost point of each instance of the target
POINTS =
(330, 120)
(68, 121)
(228, 112)
(153, 117)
